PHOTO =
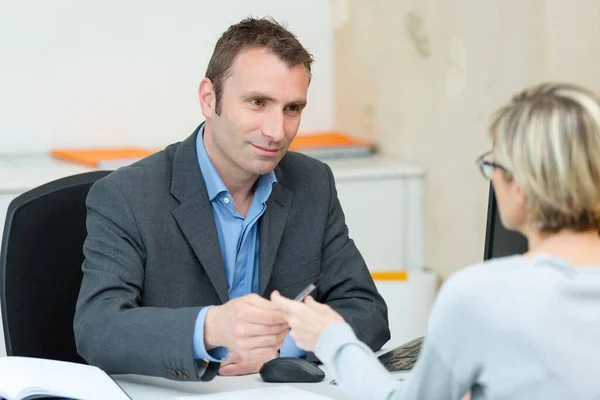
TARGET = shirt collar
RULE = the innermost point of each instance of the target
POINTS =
(213, 181)
(264, 186)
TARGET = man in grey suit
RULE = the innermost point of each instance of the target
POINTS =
(185, 246)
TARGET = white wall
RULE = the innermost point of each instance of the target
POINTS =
(113, 72)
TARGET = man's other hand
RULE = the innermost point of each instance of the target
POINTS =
(250, 363)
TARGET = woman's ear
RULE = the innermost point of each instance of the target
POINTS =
(519, 194)
(520, 215)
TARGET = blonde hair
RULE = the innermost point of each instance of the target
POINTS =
(548, 139)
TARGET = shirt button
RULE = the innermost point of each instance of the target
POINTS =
(226, 200)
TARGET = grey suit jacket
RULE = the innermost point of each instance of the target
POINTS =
(153, 260)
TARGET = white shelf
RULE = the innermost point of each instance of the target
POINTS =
(24, 172)
(375, 167)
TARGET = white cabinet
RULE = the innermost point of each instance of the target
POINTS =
(381, 199)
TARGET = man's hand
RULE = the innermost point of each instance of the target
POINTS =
(250, 364)
(250, 327)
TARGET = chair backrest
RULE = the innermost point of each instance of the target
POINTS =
(499, 241)
(42, 253)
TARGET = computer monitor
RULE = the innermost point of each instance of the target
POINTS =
(500, 242)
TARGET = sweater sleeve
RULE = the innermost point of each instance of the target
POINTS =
(446, 369)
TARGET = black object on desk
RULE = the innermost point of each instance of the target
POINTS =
(402, 358)
(290, 369)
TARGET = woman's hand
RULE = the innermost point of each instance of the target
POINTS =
(307, 320)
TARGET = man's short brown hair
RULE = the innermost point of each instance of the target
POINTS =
(259, 33)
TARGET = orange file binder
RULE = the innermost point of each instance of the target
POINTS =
(331, 144)
(102, 158)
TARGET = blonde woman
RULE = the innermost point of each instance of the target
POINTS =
(519, 327)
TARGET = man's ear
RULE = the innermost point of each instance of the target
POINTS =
(207, 96)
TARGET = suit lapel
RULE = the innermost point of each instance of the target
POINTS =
(271, 229)
(195, 216)
(196, 220)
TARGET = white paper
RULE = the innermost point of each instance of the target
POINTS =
(267, 393)
(23, 376)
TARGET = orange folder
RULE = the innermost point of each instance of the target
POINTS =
(389, 275)
(328, 140)
(100, 158)
(318, 143)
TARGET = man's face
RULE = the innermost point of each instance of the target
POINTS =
(260, 109)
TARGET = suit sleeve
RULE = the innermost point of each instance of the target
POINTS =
(112, 330)
(347, 285)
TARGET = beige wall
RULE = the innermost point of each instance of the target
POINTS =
(572, 41)
(423, 77)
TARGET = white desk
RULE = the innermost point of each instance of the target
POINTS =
(153, 388)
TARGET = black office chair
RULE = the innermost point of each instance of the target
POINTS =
(41, 267)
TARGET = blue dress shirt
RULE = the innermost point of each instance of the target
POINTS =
(239, 240)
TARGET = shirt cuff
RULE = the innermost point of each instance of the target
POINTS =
(289, 348)
(198, 347)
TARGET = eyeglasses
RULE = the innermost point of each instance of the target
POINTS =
(488, 167)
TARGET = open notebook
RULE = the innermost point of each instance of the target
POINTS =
(23, 378)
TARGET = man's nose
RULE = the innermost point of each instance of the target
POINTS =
(273, 126)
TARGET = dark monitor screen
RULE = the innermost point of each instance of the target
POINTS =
(500, 242)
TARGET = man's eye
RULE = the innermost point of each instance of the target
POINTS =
(294, 109)
(256, 102)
